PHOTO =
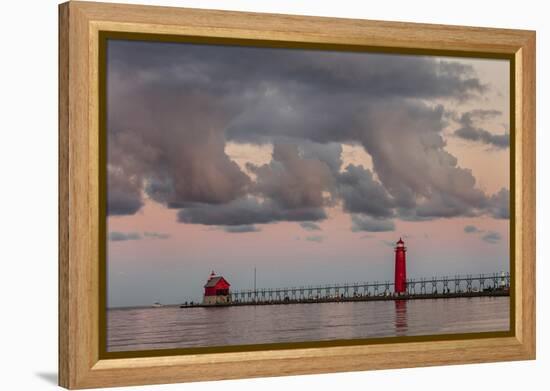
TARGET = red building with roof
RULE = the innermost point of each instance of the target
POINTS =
(216, 290)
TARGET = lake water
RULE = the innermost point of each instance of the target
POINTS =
(174, 327)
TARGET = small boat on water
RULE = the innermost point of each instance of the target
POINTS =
(157, 305)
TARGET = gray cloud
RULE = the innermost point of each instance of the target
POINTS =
(182, 161)
(246, 211)
(173, 107)
(499, 204)
(116, 236)
(168, 138)
(291, 180)
(477, 134)
(411, 161)
(448, 205)
(309, 226)
(123, 195)
(388, 243)
(156, 235)
(491, 237)
(327, 153)
(241, 228)
(370, 224)
(362, 194)
(469, 131)
(471, 229)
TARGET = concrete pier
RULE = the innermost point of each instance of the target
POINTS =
(344, 299)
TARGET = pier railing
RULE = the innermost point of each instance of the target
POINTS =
(457, 284)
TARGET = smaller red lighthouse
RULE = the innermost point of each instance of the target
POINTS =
(400, 267)
(216, 290)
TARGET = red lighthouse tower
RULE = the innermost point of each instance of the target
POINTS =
(400, 268)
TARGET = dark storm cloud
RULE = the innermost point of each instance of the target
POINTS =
(168, 135)
(370, 224)
(291, 188)
(196, 66)
(115, 236)
(241, 228)
(469, 131)
(477, 134)
(410, 159)
(183, 159)
(499, 204)
(291, 180)
(447, 205)
(124, 195)
(173, 107)
(309, 226)
(491, 237)
(329, 153)
(246, 211)
(362, 194)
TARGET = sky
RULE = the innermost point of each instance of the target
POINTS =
(307, 165)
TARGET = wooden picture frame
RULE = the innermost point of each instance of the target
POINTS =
(80, 25)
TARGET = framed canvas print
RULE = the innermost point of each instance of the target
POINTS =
(247, 195)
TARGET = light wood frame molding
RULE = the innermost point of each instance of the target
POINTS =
(80, 365)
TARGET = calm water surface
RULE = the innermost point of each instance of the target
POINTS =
(174, 327)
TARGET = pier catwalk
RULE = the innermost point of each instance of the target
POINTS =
(495, 284)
